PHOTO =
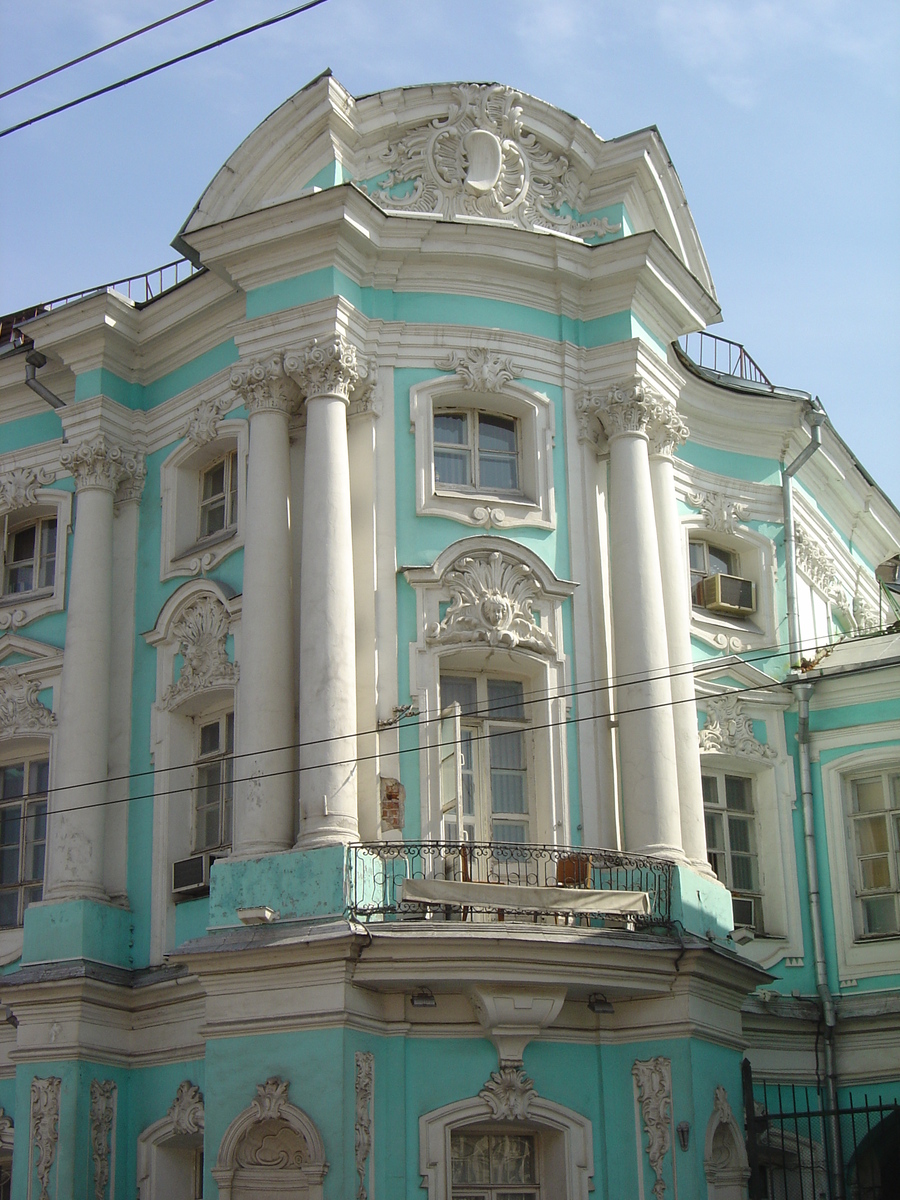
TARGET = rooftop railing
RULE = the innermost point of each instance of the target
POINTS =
(491, 881)
(139, 289)
(724, 357)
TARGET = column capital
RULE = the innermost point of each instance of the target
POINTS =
(624, 408)
(101, 464)
(264, 387)
(330, 367)
(666, 430)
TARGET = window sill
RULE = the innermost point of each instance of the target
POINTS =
(14, 599)
(486, 509)
(204, 554)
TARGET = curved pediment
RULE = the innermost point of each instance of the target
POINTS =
(472, 152)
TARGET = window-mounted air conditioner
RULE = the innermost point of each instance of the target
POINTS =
(727, 594)
(190, 876)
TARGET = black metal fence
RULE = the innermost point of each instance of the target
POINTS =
(800, 1149)
(379, 871)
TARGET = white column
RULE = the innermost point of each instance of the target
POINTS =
(326, 373)
(666, 432)
(643, 693)
(81, 754)
(265, 729)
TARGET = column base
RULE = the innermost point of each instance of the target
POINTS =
(327, 831)
(662, 850)
(258, 850)
(297, 886)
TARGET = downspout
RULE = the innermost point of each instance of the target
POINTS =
(33, 360)
(815, 416)
(802, 692)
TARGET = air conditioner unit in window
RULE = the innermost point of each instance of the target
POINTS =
(190, 876)
(727, 594)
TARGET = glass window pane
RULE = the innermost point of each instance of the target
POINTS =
(875, 874)
(740, 835)
(737, 793)
(697, 554)
(880, 915)
(506, 698)
(453, 467)
(13, 778)
(470, 1156)
(721, 562)
(9, 865)
(512, 1159)
(22, 545)
(9, 908)
(209, 738)
(715, 831)
(229, 733)
(48, 537)
(498, 472)
(872, 835)
(507, 749)
(515, 832)
(451, 429)
(508, 792)
(717, 862)
(461, 691)
(710, 789)
(214, 481)
(39, 778)
(496, 433)
(868, 795)
(212, 518)
(20, 579)
(743, 873)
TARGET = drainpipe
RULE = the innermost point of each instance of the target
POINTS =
(815, 416)
(802, 693)
(33, 360)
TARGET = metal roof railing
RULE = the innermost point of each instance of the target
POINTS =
(723, 357)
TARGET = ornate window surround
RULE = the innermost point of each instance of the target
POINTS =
(19, 609)
(526, 651)
(566, 1140)
(182, 550)
(181, 1129)
(209, 690)
(857, 958)
(483, 382)
(727, 743)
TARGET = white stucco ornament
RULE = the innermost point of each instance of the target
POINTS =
(729, 730)
(21, 712)
(19, 487)
(480, 160)
(492, 602)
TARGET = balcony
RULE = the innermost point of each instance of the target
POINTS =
(476, 881)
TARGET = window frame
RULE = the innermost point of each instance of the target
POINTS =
(19, 608)
(224, 758)
(30, 759)
(184, 549)
(495, 1191)
(754, 557)
(889, 777)
(228, 498)
(474, 453)
(532, 503)
(750, 818)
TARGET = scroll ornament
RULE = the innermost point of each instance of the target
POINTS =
(201, 630)
(653, 1091)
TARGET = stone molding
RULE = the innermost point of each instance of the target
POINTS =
(186, 1111)
(201, 630)
(21, 712)
(19, 487)
(725, 1162)
(513, 1018)
(100, 463)
(508, 1094)
(481, 161)
(729, 730)
(719, 512)
(44, 1132)
(667, 429)
(264, 386)
(102, 1116)
(492, 603)
(653, 1096)
(202, 426)
(362, 1129)
(332, 367)
(818, 566)
(480, 369)
(131, 488)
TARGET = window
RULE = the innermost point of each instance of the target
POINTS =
(214, 783)
(731, 843)
(218, 496)
(707, 560)
(875, 821)
(30, 557)
(494, 1166)
(476, 450)
(485, 724)
(23, 836)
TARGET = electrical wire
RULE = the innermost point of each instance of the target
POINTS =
(73, 62)
(111, 87)
(588, 687)
(360, 758)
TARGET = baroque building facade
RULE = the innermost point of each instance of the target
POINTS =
(358, 834)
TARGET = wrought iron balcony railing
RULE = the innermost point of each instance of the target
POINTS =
(501, 881)
(723, 357)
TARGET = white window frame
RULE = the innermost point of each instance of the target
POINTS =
(774, 801)
(173, 738)
(544, 679)
(748, 817)
(889, 779)
(565, 1141)
(489, 1191)
(532, 504)
(28, 752)
(20, 608)
(183, 550)
(754, 557)
(224, 756)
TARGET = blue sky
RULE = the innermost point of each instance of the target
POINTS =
(781, 117)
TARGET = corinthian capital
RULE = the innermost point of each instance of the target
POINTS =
(327, 368)
(626, 408)
(102, 464)
(264, 387)
(666, 431)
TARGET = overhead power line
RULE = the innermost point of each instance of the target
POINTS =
(111, 87)
(73, 62)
